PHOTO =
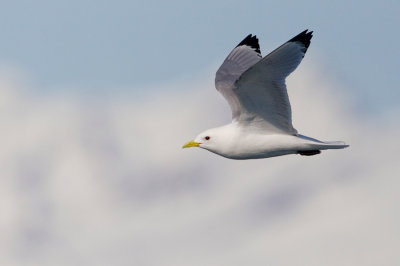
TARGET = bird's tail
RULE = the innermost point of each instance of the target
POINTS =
(315, 144)
(334, 145)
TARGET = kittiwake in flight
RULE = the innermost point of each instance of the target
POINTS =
(255, 89)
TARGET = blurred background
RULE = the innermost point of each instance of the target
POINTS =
(97, 98)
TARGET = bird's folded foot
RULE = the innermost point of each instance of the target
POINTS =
(309, 153)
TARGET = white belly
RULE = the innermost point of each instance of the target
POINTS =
(256, 146)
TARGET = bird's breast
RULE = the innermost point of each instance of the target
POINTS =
(256, 146)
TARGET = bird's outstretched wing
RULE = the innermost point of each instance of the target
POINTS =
(258, 95)
(242, 57)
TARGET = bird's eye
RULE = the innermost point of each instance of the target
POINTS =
(207, 138)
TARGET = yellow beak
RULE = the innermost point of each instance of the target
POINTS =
(191, 144)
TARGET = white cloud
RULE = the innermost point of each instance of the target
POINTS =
(105, 182)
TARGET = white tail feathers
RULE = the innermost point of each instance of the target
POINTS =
(335, 144)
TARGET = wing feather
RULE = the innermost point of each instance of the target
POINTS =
(258, 94)
(243, 56)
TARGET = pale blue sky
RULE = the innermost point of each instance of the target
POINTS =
(103, 45)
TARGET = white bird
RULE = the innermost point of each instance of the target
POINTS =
(261, 115)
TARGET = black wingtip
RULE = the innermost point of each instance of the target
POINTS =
(251, 41)
(304, 38)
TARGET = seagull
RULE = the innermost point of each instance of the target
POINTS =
(255, 89)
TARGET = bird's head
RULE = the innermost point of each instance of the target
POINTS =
(205, 140)
(216, 140)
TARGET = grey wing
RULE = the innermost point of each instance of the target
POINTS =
(261, 90)
(243, 56)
